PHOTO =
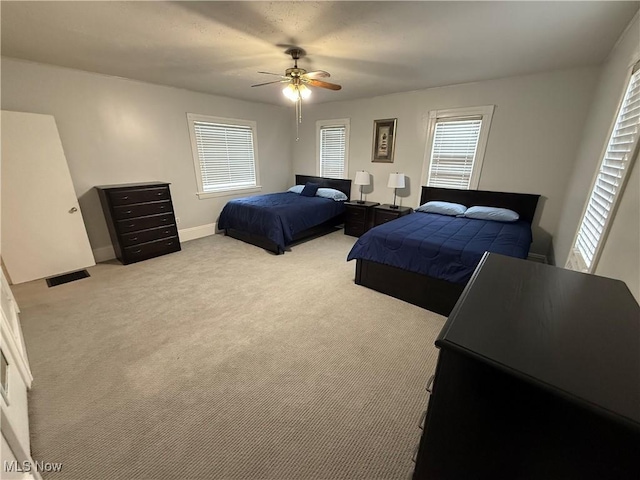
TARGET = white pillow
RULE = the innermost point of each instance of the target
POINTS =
(492, 213)
(442, 208)
(296, 189)
(331, 193)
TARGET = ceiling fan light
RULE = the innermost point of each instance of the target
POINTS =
(290, 92)
(296, 92)
(305, 92)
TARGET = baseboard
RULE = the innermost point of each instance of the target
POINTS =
(200, 231)
(104, 254)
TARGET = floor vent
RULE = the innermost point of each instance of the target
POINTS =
(67, 277)
(536, 257)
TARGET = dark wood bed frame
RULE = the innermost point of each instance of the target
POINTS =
(433, 293)
(258, 240)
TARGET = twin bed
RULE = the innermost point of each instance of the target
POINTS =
(423, 258)
(277, 220)
(427, 259)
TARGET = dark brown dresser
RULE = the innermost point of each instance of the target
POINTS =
(538, 377)
(141, 220)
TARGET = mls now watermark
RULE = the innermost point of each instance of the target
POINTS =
(27, 466)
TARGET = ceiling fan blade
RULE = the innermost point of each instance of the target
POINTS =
(316, 74)
(320, 83)
(269, 83)
(276, 74)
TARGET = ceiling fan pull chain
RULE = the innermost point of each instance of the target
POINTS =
(297, 124)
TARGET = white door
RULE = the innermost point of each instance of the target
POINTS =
(16, 380)
(43, 233)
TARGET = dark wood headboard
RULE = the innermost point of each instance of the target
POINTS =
(523, 203)
(337, 183)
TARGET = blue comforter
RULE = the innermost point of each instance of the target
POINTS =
(278, 216)
(441, 246)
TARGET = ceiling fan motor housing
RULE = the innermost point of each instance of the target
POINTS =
(295, 72)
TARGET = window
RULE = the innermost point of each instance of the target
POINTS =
(609, 181)
(333, 148)
(224, 155)
(456, 140)
(4, 377)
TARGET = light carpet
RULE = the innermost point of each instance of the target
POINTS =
(224, 361)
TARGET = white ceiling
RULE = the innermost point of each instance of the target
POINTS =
(370, 48)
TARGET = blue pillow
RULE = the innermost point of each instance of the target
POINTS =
(492, 213)
(331, 193)
(443, 208)
(296, 189)
(310, 189)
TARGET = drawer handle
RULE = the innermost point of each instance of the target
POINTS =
(166, 231)
(160, 194)
(165, 219)
(124, 198)
(131, 225)
(128, 211)
(133, 239)
(162, 207)
(137, 251)
(430, 384)
(169, 243)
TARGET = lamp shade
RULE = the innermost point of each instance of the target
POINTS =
(296, 92)
(396, 180)
(362, 178)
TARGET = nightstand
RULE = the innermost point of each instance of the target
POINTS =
(384, 213)
(359, 217)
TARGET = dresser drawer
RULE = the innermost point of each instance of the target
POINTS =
(354, 229)
(384, 217)
(126, 197)
(151, 249)
(386, 213)
(144, 236)
(355, 214)
(143, 223)
(139, 210)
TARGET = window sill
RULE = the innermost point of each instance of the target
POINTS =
(227, 193)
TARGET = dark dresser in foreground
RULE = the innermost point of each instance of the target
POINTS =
(141, 220)
(538, 377)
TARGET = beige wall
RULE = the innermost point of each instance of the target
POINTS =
(536, 130)
(115, 130)
(621, 254)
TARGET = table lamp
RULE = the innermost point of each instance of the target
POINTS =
(362, 178)
(396, 181)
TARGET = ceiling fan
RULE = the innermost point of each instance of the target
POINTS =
(298, 78)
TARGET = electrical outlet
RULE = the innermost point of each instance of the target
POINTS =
(178, 220)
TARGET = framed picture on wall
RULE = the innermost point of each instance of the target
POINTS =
(384, 140)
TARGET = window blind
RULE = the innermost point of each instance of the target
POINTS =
(332, 151)
(453, 153)
(226, 156)
(455, 143)
(610, 177)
